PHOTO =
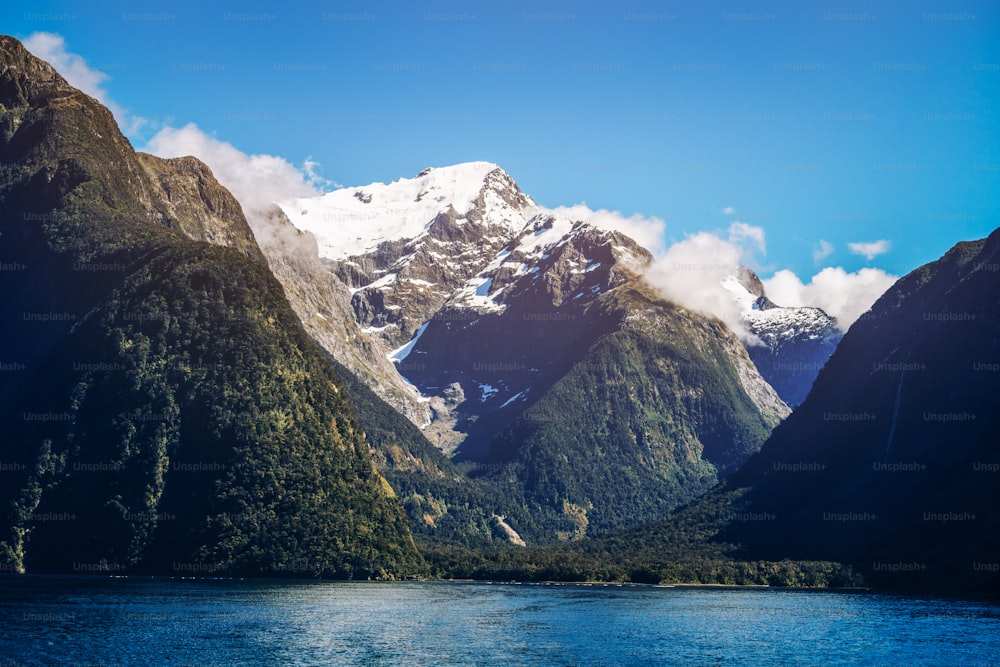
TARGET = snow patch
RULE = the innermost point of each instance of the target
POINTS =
(484, 287)
(548, 231)
(488, 391)
(401, 353)
(382, 283)
(475, 294)
(520, 394)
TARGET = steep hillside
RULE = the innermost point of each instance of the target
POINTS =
(583, 394)
(890, 464)
(323, 303)
(169, 414)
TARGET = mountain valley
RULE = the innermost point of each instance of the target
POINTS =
(439, 376)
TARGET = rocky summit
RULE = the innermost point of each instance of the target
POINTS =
(504, 316)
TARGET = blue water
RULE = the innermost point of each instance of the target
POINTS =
(88, 621)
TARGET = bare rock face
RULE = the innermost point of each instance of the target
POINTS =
(324, 305)
(403, 282)
(362, 307)
(196, 204)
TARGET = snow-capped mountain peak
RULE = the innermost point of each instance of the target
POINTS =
(773, 323)
(354, 221)
(404, 247)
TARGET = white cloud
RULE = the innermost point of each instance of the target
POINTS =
(739, 232)
(729, 210)
(647, 232)
(822, 250)
(844, 295)
(257, 181)
(869, 250)
(691, 273)
(311, 170)
(51, 48)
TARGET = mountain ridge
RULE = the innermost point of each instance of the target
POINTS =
(483, 320)
(171, 414)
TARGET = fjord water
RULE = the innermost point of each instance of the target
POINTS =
(89, 620)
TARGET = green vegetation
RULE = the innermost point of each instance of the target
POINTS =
(646, 421)
(209, 432)
(443, 505)
(451, 517)
(172, 415)
(680, 549)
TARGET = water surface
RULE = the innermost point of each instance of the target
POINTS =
(90, 620)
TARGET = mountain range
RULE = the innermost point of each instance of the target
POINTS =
(305, 390)
(889, 466)
(516, 325)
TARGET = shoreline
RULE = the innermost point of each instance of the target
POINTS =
(959, 593)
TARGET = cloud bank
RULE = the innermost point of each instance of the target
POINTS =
(844, 295)
(257, 181)
(691, 273)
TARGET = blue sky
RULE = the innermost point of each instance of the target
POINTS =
(823, 123)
